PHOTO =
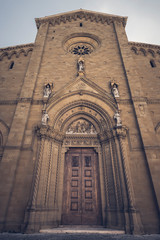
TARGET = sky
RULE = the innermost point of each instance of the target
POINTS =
(17, 17)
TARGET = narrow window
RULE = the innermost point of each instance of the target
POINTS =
(152, 63)
(80, 24)
(11, 65)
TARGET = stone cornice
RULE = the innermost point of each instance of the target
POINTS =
(41, 101)
(16, 50)
(17, 47)
(81, 14)
(144, 45)
(22, 100)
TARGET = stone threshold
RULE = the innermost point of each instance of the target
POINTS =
(76, 229)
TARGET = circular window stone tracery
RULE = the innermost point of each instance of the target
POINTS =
(81, 49)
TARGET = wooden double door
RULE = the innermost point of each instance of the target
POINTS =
(81, 194)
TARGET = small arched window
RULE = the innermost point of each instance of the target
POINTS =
(11, 65)
(80, 24)
(152, 63)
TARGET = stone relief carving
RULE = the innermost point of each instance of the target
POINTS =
(81, 86)
(81, 126)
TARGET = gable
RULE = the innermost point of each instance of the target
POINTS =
(81, 14)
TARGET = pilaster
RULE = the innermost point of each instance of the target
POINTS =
(11, 156)
(144, 120)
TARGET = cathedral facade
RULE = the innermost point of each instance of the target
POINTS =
(80, 127)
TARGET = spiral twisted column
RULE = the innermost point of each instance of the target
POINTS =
(134, 216)
(36, 182)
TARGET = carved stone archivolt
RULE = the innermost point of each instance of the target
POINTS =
(82, 110)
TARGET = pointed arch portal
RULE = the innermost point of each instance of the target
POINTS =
(81, 172)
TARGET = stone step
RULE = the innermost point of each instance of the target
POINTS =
(82, 229)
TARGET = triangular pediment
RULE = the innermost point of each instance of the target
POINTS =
(81, 14)
(78, 86)
(81, 85)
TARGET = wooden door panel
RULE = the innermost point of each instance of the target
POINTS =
(81, 196)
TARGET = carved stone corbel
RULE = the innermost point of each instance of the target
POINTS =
(121, 131)
(47, 132)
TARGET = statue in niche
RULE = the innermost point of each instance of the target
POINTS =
(114, 89)
(81, 65)
(47, 90)
(45, 118)
(117, 117)
(81, 126)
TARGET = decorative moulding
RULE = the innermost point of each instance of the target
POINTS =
(17, 47)
(145, 45)
(17, 50)
(145, 49)
(81, 14)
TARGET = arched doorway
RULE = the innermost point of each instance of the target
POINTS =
(81, 187)
(78, 127)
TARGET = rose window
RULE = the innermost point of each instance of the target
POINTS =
(81, 50)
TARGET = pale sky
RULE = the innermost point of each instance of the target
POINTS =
(17, 24)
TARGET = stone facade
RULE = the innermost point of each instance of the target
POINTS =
(81, 84)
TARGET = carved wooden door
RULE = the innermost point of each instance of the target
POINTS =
(81, 195)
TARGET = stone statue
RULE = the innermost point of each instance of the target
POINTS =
(114, 88)
(45, 118)
(47, 90)
(80, 65)
(118, 119)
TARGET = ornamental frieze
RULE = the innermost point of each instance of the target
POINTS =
(17, 51)
(81, 142)
(81, 14)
